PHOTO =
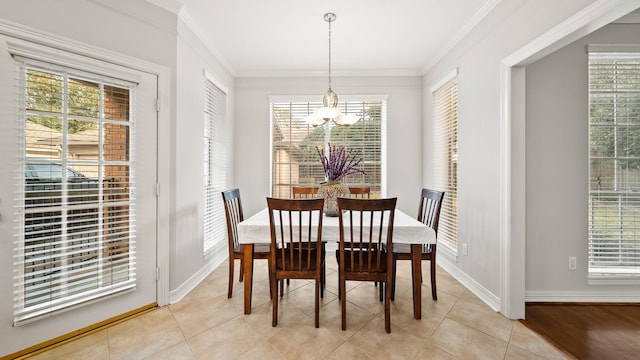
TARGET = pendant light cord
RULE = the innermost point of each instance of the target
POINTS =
(329, 17)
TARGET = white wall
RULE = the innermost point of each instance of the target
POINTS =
(188, 266)
(557, 172)
(511, 25)
(404, 140)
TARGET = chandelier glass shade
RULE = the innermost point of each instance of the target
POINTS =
(329, 109)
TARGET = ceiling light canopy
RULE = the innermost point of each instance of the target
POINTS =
(329, 109)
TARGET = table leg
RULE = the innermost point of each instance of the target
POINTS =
(248, 276)
(416, 272)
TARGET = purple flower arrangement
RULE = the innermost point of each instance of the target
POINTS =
(340, 162)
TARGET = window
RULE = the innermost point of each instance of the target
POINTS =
(76, 241)
(294, 144)
(446, 160)
(614, 165)
(215, 164)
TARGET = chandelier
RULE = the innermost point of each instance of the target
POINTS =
(329, 109)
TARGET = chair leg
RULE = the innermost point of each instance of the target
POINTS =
(434, 294)
(323, 274)
(339, 288)
(241, 270)
(317, 301)
(381, 290)
(393, 280)
(274, 299)
(231, 263)
(270, 285)
(323, 279)
(387, 309)
(343, 302)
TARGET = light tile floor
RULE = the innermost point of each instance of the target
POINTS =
(207, 325)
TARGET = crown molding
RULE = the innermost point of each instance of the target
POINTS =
(589, 19)
(462, 33)
(185, 16)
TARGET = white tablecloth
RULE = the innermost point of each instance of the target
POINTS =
(406, 229)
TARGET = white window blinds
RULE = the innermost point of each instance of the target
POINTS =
(614, 165)
(76, 239)
(446, 160)
(215, 164)
(295, 160)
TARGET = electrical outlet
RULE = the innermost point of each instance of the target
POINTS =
(465, 249)
(572, 262)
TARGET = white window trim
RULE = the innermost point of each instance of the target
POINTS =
(446, 250)
(215, 246)
(313, 98)
(627, 277)
(50, 55)
(218, 84)
(442, 82)
(24, 315)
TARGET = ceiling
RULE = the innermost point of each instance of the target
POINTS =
(290, 37)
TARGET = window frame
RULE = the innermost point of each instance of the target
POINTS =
(107, 199)
(447, 227)
(623, 101)
(215, 123)
(27, 43)
(345, 100)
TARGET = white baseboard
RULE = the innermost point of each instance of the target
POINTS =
(493, 301)
(582, 296)
(216, 256)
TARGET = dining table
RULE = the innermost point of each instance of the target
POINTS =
(406, 230)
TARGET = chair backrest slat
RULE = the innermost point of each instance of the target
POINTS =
(234, 215)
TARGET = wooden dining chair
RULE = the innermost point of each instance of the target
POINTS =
(305, 192)
(428, 214)
(365, 227)
(234, 214)
(296, 246)
(360, 192)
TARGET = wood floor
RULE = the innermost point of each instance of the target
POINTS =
(590, 331)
